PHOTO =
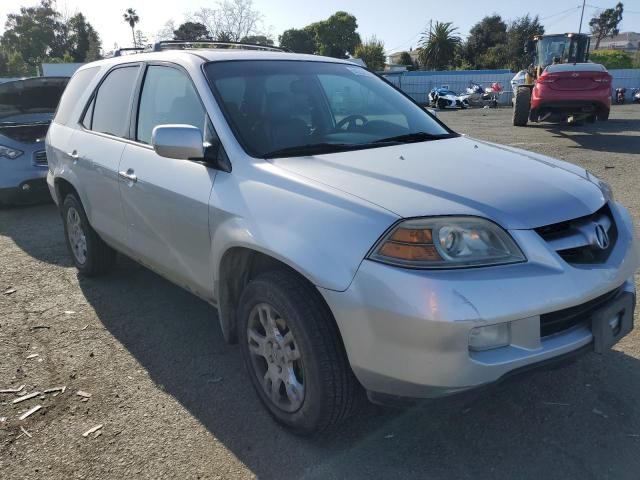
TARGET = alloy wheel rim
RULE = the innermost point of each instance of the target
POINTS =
(77, 238)
(275, 358)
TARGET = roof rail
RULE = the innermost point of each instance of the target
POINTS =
(187, 45)
(119, 52)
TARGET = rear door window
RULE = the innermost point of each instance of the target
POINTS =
(77, 85)
(112, 103)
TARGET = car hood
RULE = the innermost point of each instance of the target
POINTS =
(458, 176)
(30, 100)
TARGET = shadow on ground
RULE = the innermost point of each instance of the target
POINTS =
(28, 234)
(613, 136)
(576, 422)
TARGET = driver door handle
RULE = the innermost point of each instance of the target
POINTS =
(129, 176)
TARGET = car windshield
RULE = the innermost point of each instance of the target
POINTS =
(293, 108)
(560, 49)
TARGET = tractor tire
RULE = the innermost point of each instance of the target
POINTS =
(521, 107)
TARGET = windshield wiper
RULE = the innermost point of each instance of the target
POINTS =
(413, 137)
(315, 149)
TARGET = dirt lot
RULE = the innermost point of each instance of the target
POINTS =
(175, 402)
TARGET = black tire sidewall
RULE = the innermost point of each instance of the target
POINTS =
(306, 419)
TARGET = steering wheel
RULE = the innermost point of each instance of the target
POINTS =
(351, 122)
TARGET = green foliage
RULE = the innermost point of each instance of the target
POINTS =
(37, 34)
(191, 32)
(257, 40)
(438, 46)
(606, 23)
(405, 59)
(487, 33)
(336, 36)
(298, 41)
(612, 59)
(372, 53)
(519, 31)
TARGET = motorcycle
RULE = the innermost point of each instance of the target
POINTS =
(635, 95)
(444, 98)
(620, 95)
(480, 97)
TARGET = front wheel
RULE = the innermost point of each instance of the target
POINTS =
(293, 352)
(90, 254)
(521, 107)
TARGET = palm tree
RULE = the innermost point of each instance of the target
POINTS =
(438, 46)
(132, 18)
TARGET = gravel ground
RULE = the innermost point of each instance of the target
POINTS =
(175, 402)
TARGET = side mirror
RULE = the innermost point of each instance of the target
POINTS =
(182, 142)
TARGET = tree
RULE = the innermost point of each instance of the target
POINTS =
(405, 59)
(13, 65)
(191, 31)
(132, 18)
(257, 40)
(83, 42)
(519, 31)
(438, 46)
(606, 23)
(232, 19)
(612, 59)
(489, 32)
(141, 38)
(166, 32)
(34, 34)
(298, 41)
(336, 36)
(372, 53)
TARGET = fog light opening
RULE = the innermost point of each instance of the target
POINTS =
(490, 337)
(26, 187)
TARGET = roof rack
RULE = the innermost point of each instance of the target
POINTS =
(187, 45)
(119, 52)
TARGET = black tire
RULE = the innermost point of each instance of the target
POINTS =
(442, 104)
(591, 118)
(521, 107)
(603, 115)
(98, 257)
(331, 390)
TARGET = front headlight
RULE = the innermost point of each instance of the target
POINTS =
(447, 242)
(605, 188)
(9, 153)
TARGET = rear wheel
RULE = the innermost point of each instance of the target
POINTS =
(293, 352)
(521, 107)
(90, 254)
(603, 115)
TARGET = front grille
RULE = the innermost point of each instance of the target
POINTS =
(40, 157)
(576, 240)
(561, 320)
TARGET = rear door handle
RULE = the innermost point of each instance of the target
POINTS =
(129, 176)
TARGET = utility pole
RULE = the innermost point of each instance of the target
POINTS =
(581, 16)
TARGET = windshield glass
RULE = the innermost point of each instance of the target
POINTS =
(290, 108)
(560, 49)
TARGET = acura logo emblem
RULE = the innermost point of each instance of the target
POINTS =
(602, 238)
(575, 74)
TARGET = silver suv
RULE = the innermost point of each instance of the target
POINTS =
(350, 241)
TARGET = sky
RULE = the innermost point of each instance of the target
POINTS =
(397, 23)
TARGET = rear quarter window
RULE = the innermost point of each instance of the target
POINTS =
(76, 86)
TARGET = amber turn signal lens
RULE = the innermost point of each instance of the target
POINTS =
(410, 252)
(411, 235)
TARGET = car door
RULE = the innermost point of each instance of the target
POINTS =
(166, 201)
(96, 150)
